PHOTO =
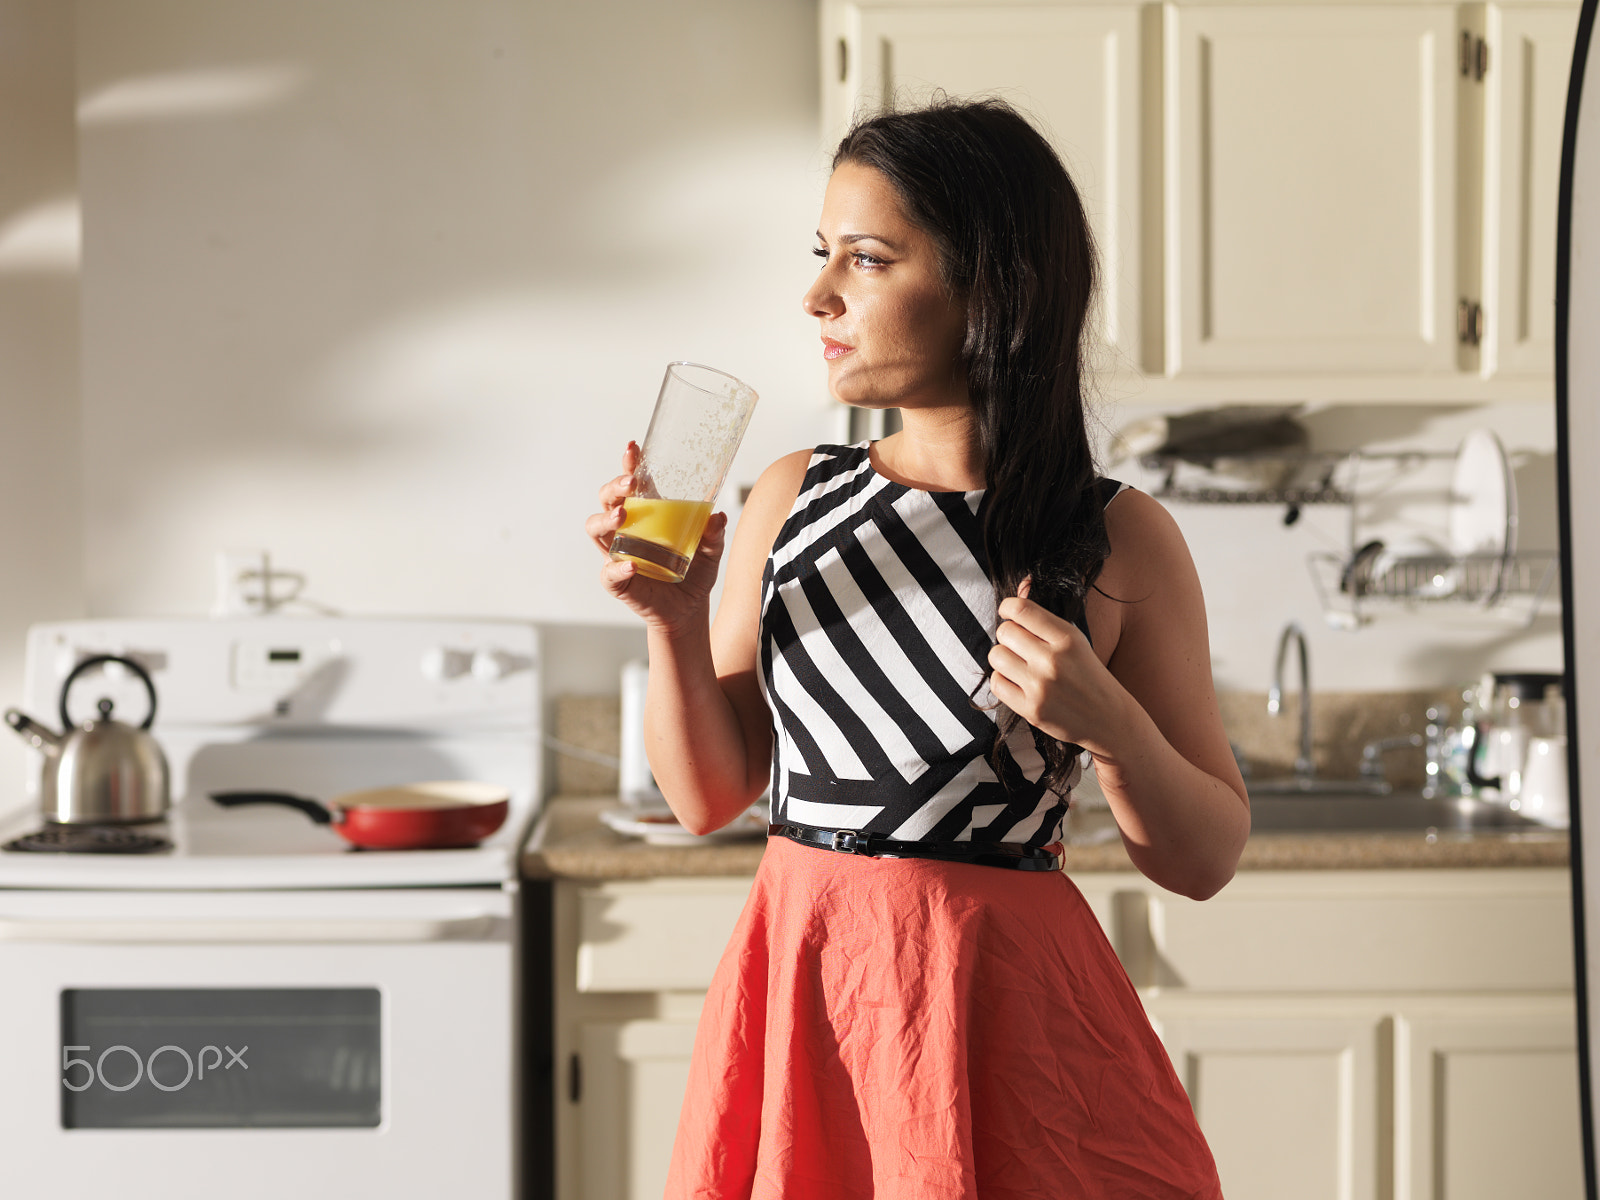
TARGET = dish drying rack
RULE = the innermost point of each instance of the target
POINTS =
(1307, 478)
(1507, 587)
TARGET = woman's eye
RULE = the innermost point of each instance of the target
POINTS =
(864, 259)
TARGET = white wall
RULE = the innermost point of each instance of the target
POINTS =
(41, 571)
(382, 286)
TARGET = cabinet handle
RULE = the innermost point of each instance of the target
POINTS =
(1474, 57)
(844, 60)
(574, 1079)
(1469, 322)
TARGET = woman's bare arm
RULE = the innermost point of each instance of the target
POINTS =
(1148, 713)
(708, 731)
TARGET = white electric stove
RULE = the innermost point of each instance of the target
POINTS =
(258, 1008)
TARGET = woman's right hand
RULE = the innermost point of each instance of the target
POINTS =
(669, 607)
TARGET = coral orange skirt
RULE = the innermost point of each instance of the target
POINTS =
(904, 1029)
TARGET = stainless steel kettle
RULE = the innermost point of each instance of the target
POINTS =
(102, 771)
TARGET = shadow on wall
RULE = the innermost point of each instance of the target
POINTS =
(1346, 427)
(342, 176)
(1538, 523)
(389, 305)
(1437, 658)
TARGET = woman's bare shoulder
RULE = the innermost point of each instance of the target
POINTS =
(774, 494)
(1148, 554)
(785, 474)
(761, 519)
(1146, 542)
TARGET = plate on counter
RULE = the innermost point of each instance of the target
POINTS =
(660, 828)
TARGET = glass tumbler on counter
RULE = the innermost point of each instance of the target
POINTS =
(695, 430)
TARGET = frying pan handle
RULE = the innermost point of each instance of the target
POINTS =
(317, 811)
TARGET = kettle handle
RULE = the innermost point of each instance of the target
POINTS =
(99, 660)
(1474, 777)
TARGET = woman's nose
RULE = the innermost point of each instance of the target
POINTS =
(821, 300)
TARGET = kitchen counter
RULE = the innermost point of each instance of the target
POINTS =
(569, 842)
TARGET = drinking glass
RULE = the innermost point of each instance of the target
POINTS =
(695, 430)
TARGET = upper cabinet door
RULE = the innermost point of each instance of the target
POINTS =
(1529, 64)
(1311, 189)
(1074, 70)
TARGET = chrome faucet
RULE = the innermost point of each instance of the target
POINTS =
(1304, 767)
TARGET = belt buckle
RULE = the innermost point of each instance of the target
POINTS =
(850, 841)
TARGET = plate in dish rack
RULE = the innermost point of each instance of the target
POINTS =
(660, 828)
(1483, 498)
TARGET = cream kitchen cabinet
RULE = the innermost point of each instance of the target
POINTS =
(1293, 199)
(1348, 1034)
(632, 962)
(1529, 58)
(1313, 192)
(1368, 1034)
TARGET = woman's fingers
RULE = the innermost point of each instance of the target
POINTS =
(1037, 620)
(708, 554)
(1019, 638)
(1008, 693)
(601, 527)
(617, 577)
(615, 491)
(1007, 662)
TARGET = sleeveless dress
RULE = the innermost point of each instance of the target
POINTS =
(906, 1028)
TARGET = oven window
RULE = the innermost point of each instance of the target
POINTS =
(220, 1058)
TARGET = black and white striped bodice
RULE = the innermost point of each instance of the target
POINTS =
(876, 624)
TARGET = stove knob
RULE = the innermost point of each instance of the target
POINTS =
(442, 663)
(491, 666)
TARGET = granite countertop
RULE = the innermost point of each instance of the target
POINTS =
(569, 842)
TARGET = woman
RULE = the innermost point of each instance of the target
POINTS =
(916, 638)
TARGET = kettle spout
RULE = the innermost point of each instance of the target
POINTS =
(35, 734)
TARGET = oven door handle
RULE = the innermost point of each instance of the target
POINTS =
(301, 930)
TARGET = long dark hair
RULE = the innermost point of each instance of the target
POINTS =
(1014, 244)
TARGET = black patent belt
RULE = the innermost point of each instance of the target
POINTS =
(875, 845)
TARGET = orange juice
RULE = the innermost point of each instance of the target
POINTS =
(661, 535)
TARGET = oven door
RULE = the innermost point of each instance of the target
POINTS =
(257, 1044)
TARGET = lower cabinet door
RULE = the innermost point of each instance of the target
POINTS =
(1286, 1093)
(1493, 1106)
(634, 1075)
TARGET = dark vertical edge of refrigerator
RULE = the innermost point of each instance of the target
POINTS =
(536, 1120)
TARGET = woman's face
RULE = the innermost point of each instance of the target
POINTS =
(891, 334)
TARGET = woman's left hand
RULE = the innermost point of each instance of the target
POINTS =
(1045, 671)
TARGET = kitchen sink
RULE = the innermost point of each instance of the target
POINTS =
(1328, 810)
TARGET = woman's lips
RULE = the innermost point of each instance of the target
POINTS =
(832, 349)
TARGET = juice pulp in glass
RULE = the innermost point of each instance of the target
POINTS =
(661, 535)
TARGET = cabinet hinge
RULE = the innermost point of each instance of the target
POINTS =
(574, 1079)
(1469, 322)
(1474, 57)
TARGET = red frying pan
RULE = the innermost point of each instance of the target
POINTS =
(416, 816)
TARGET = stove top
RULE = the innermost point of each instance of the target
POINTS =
(88, 839)
(312, 707)
(253, 848)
